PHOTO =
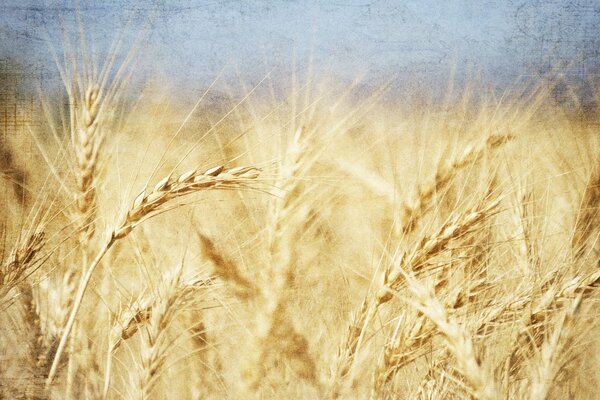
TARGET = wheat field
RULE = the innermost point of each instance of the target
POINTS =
(315, 242)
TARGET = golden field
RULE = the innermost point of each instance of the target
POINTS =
(322, 242)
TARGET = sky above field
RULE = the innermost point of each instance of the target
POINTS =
(193, 40)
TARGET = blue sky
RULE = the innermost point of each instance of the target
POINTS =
(193, 40)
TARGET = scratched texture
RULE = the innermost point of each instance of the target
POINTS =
(186, 44)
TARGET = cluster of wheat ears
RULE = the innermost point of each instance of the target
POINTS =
(305, 246)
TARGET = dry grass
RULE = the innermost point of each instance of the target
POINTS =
(338, 247)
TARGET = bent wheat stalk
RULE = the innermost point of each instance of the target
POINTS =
(145, 206)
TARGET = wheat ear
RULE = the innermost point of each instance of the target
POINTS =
(129, 322)
(416, 262)
(155, 346)
(547, 366)
(428, 247)
(88, 140)
(411, 336)
(532, 324)
(21, 260)
(145, 206)
(414, 210)
(457, 341)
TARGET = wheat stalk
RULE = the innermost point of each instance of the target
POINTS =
(354, 337)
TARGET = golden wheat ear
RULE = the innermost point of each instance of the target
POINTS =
(23, 258)
(429, 246)
(456, 340)
(422, 199)
(147, 205)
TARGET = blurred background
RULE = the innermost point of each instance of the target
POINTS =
(196, 39)
(410, 45)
